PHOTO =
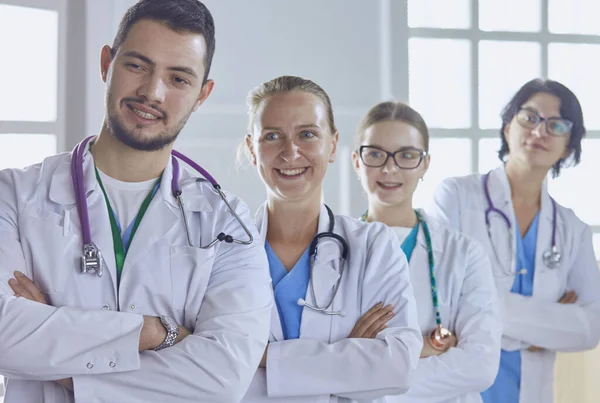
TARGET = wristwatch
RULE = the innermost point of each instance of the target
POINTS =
(172, 332)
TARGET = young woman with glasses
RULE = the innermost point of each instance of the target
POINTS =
(451, 274)
(541, 253)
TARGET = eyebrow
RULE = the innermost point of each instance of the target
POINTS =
(147, 60)
(534, 110)
(405, 148)
(307, 126)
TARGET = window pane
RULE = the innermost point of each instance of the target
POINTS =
(449, 157)
(440, 81)
(488, 154)
(21, 150)
(439, 13)
(577, 66)
(510, 15)
(574, 17)
(572, 188)
(29, 42)
(499, 80)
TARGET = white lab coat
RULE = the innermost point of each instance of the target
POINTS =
(468, 308)
(325, 366)
(222, 294)
(538, 320)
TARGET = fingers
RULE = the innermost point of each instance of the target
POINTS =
(453, 341)
(26, 288)
(570, 297)
(371, 321)
(19, 290)
(373, 329)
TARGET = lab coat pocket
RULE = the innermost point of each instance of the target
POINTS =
(42, 234)
(190, 272)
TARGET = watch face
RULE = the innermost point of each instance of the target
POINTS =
(168, 323)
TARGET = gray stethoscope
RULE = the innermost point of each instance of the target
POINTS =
(91, 261)
(551, 257)
(312, 252)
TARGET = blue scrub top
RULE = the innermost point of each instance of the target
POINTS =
(288, 288)
(409, 243)
(507, 385)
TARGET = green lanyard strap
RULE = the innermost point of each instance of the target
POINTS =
(120, 252)
(434, 295)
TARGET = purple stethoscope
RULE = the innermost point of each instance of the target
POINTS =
(91, 261)
(551, 257)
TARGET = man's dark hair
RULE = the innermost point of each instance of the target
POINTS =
(182, 16)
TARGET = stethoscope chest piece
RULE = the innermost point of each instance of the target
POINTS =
(440, 338)
(91, 261)
(552, 258)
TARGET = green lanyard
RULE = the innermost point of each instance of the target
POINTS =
(421, 220)
(120, 252)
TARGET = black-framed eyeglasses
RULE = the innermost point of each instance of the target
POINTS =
(529, 119)
(405, 158)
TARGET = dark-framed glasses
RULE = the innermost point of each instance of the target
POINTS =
(404, 158)
(529, 119)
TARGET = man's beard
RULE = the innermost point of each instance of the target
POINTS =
(128, 137)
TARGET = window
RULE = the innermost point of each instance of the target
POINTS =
(29, 86)
(21, 150)
(503, 67)
(449, 108)
(461, 78)
(31, 102)
(439, 13)
(449, 157)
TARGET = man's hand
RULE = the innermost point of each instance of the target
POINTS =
(24, 287)
(154, 333)
(372, 322)
(263, 361)
(429, 351)
(66, 383)
(568, 298)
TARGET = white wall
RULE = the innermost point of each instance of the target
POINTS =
(343, 45)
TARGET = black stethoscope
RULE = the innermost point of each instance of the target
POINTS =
(312, 251)
(551, 257)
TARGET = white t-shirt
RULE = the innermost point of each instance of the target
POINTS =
(126, 198)
(402, 232)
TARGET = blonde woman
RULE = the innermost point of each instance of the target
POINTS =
(344, 326)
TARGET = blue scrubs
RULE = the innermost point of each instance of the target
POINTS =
(289, 287)
(507, 385)
(409, 243)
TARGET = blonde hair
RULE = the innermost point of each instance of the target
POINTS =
(392, 111)
(282, 85)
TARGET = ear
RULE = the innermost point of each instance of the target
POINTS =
(505, 131)
(356, 162)
(204, 93)
(426, 161)
(334, 141)
(250, 147)
(105, 61)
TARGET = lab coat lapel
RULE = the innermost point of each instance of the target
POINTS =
(502, 238)
(324, 277)
(261, 220)
(544, 242)
(62, 192)
(437, 246)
